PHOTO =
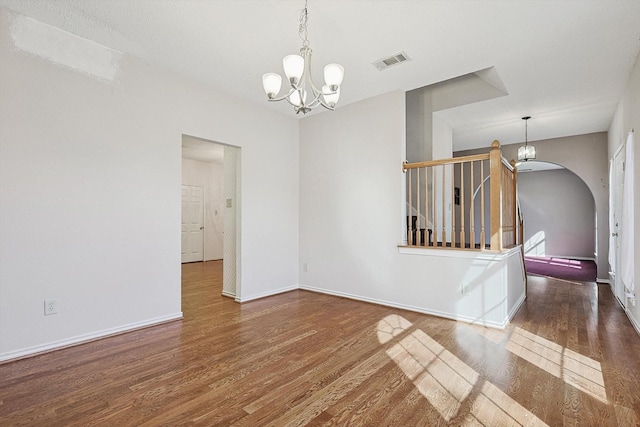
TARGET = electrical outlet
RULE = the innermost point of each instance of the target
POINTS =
(50, 307)
(304, 267)
(464, 289)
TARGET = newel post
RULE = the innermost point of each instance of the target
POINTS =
(495, 170)
(514, 208)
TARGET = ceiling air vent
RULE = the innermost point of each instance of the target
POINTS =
(392, 60)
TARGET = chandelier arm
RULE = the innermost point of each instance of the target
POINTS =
(315, 101)
(292, 104)
(286, 96)
(326, 106)
(317, 93)
(319, 100)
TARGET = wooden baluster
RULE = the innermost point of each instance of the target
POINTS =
(495, 166)
(462, 239)
(444, 221)
(514, 200)
(416, 235)
(483, 237)
(472, 211)
(426, 205)
(453, 206)
(435, 220)
(503, 200)
(409, 212)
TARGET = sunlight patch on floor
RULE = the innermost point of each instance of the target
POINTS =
(580, 371)
(447, 382)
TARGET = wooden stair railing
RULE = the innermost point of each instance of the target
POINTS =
(465, 202)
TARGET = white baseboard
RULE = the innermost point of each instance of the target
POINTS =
(266, 294)
(580, 258)
(81, 339)
(228, 294)
(515, 309)
(436, 313)
(633, 320)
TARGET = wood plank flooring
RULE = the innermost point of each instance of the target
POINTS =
(569, 358)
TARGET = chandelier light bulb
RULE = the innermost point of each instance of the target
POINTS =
(293, 67)
(333, 75)
(271, 83)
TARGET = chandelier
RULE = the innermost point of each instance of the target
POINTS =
(526, 152)
(304, 95)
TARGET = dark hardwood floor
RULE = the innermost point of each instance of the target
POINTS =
(570, 357)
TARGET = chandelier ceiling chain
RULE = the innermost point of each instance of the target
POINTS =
(304, 95)
(303, 31)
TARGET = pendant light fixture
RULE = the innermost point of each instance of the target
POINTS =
(526, 152)
(304, 95)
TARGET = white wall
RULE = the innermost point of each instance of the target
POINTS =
(90, 195)
(559, 213)
(352, 205)
(419, 126)
(627, 117)
(208, 175)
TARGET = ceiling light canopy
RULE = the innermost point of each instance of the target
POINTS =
(526, 152)
(304, 95)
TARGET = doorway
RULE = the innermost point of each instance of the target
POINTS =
(210, 206)
(560, 228)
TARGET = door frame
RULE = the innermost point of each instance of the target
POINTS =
(615, 198)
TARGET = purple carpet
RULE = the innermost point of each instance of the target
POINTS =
(561, 268)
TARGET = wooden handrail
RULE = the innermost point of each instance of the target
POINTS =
(441, 162)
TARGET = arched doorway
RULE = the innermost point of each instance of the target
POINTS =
(560, 221)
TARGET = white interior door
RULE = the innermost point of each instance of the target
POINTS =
(192, 223)
(617, 186)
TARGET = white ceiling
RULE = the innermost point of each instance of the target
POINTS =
(563, 62)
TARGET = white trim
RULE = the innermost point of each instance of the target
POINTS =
(457, 253)
(633, 320)
(579, 258)
(623, 141)
(81, 339)
(228, 294)
(515, 308)
(409, 308)
(267, 294)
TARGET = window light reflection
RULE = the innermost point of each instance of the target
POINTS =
(446, 381)
(580, 371)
